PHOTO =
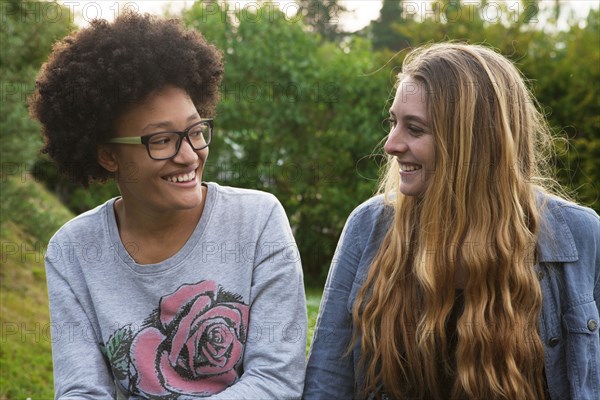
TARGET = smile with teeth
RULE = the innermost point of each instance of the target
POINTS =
(182, 178)
(409, 167)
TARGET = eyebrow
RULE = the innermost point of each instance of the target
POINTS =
(166, 124)
(411, 118)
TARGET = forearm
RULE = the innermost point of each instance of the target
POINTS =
(80, 371)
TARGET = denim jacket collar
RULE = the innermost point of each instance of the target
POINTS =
(555, 240)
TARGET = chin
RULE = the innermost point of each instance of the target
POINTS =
(410, 192)
(188, 205)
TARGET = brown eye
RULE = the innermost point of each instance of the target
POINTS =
(415, 130)
(160, 139)
(198, 132)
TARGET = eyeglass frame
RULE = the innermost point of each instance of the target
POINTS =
(182, 135)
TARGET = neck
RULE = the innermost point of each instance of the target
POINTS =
(148, 223)
(157, 234)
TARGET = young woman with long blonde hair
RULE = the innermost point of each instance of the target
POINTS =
(465, 278)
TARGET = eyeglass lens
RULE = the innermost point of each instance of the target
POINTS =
(165, 145)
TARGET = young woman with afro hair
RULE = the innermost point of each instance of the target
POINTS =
(178, 288)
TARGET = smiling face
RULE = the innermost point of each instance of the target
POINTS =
(157, 185)
(410, 139)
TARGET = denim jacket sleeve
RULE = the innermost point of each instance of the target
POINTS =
(569, 245)
(331, 367)
(330, 370)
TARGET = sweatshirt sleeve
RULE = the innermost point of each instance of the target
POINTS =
(330, 370)
(274, 359)
(80, 371)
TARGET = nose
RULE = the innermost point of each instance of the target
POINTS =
(395, 142)
(186, 154)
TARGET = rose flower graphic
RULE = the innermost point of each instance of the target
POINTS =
(188, 346)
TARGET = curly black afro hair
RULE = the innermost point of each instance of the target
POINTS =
(96, 74)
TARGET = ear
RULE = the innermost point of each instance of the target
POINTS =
(107, 158)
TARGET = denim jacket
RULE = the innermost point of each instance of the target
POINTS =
(569, 272)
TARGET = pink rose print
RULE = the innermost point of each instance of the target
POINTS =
(191, 344)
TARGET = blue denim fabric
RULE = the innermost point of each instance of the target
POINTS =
(569, 272)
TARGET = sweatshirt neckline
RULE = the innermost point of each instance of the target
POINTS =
(176, 259)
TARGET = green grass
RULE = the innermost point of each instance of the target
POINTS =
(29, 216)
(28, 219)
(313, 299)
(25, 350)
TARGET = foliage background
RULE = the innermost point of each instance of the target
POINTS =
(303, 108)
(301, 117)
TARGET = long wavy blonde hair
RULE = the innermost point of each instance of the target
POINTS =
(478, 216)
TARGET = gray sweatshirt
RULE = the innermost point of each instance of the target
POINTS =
(223, 317)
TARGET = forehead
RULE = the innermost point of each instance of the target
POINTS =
(410, 98)
(168, 107)
(166, 100)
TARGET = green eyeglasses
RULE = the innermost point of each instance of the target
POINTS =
(166, 145)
